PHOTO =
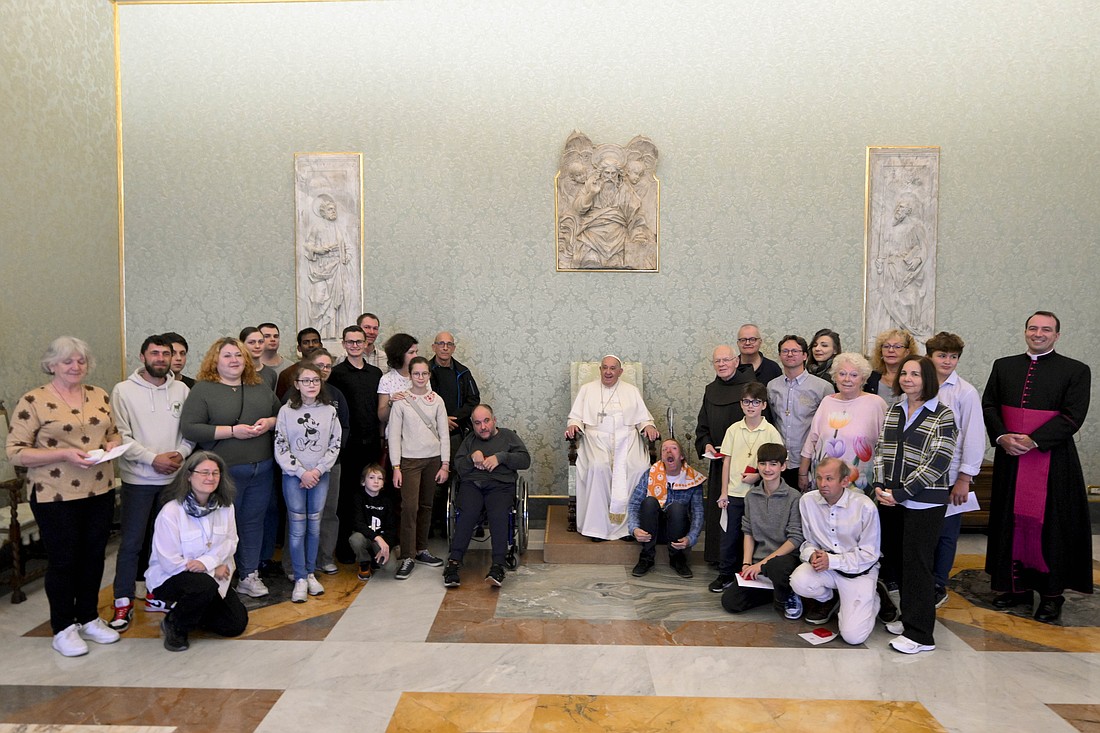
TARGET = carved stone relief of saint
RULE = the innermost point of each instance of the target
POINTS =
(607, 206)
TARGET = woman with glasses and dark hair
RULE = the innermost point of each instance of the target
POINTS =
(194, 539)
(912, 467)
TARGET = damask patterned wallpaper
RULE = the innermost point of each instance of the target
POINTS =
(58, 191)
(762, 112)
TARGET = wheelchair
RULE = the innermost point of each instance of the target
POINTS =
(519, 528)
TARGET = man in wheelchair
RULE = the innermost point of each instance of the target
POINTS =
(487, 464)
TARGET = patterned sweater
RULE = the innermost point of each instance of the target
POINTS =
(913, 462)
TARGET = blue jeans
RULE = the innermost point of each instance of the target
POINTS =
(253, 482)
(139, 509)
(945, 549)
(303, 513)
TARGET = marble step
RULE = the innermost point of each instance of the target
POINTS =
(563, 546)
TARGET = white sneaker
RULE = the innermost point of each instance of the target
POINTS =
(897, 628)
(298, 595)
(99, 632)
(315, 588)
(68, 642)
(905, 645)
(251, 585)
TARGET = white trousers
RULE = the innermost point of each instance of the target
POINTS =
(859, 603)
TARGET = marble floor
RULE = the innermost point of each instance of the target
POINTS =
(558, 648)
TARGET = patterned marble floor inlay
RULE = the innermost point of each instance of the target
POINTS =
(434, 712)
(588, 604)
(273, 617)
(1085, 718)
(189, 710)
(969, 614)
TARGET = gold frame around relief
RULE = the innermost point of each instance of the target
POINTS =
(557, 240)
(928, 153)
(300, 159)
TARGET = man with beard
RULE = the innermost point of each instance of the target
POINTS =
(487, 464)
(146, 409)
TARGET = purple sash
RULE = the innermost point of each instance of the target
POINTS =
(1032, 471)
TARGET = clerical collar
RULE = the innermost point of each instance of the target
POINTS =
(1037, 357)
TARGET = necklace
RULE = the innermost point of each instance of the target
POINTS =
(603, 407)
(750, 452)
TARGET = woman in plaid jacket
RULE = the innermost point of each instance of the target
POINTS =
(911, 484)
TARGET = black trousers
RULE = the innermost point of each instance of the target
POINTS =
(909, 538)
(778, 570)
(199, 605)
(75, 535)
(663, 525)
(496, 500)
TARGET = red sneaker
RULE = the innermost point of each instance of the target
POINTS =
(123, 615)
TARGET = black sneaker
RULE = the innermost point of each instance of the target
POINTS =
(680, 565)
(450, 576)
(941, 596)
(404, 569)
(495, 575)
(174, 639)
(644, 566)
(888, 612)
(822, 613)
(426, 558)
(722, 582)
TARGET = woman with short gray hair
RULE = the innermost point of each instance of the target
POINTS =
(57, 433)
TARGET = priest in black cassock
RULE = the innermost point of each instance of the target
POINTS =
(1039, 528)
(721, 408)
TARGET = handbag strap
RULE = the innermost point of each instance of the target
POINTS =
(429, 423)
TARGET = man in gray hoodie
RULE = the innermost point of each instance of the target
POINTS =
(146, 409)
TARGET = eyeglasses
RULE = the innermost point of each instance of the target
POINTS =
(724, 360)
(748, 340)
(324, 367)
(893, 347)
(445, 344)
(791, 352)
(752, 403)
(208, 474)
(356, 342)
(308, 381)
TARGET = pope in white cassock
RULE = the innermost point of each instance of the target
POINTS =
(612, 456)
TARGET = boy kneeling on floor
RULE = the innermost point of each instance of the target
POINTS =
(772, 529)
(839, 570)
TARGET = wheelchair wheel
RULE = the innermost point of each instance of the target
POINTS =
(452, 511)
(522, 520)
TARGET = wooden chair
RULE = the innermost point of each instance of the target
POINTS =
(17, 516)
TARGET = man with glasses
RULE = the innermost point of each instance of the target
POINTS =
(748, 343)
(721, 408)
(452, 381)
(358, 380)
(794, 397)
